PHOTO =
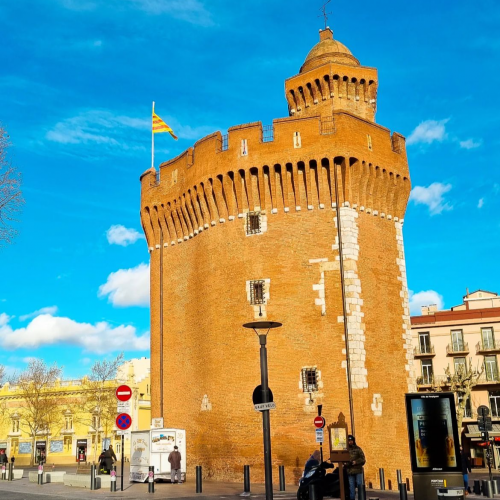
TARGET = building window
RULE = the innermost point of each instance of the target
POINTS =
(14, 446)
(495, 403)
(488, 338)
(424, 342)
(309, 380)
(468, 407)
(68, 422)
(427, 373)
(491, 368)
(369, 141)
(257, 292)
(457, 340)
(253, 223)
(15, 425)
(460, 365)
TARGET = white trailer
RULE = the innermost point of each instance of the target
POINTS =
(153, 448)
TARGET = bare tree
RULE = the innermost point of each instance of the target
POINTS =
(460, 383)
(11, 199)
(99, 402)
(39, 408)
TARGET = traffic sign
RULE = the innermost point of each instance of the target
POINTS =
(123, 393)
(265, 406)
(257, 395)
(319, 435)
(123, 421)
(319, 422)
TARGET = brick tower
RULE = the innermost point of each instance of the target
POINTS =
(249, 224)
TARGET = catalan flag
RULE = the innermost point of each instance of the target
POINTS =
(160, 126)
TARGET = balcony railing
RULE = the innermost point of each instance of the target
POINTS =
(424, 351)
(457, 348)
(489, 378)
(491, 346)
(432, 380)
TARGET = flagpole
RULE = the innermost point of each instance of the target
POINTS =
(152, 139)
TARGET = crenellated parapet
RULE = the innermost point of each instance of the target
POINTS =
(223, 177)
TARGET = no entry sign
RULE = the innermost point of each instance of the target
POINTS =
(123, 421)
(319, 422)
(123, 393)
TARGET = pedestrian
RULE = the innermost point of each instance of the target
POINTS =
(12, 459)
(108, 457)
(313, 461)
(3, 458)
(465, 469)
(355, 467)
(175, 465)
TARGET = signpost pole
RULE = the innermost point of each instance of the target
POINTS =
(123, 459)
(320, 407)
(266, 422)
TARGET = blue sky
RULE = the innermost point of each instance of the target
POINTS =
(76, 84)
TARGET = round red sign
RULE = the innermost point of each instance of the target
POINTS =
(123, 393)
(123, 421)
(319, 422)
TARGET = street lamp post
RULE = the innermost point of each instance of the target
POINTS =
(266, 422)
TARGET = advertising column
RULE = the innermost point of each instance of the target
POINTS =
(434, 444)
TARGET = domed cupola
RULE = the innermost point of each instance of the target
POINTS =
(332, 79)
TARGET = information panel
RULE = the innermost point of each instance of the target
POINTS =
(433, 433)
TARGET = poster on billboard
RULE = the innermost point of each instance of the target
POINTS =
(162, 441)
(433, 433)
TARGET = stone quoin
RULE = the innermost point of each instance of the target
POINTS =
(244, 227)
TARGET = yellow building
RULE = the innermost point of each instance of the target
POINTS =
(75, 434)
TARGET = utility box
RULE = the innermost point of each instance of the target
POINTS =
(153, 448)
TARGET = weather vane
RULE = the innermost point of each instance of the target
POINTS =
(325, 13)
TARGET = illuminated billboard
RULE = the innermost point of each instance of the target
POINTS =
(433, 433)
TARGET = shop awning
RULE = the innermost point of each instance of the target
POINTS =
(475, 433)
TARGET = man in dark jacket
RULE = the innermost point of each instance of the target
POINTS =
(175, 465)
(3, 458)
(355, 467)
(107, 458)
(465, 469)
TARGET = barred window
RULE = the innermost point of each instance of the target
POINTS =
(257, 292)
(309, 380)
(253, 223)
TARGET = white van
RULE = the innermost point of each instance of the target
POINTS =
(153, 448)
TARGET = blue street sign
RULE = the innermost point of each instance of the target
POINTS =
(123, 421)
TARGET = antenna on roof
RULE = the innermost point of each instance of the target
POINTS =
(325, 13)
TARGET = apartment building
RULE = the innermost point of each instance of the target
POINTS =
(469, 331)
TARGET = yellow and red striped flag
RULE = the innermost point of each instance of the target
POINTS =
(160, 126)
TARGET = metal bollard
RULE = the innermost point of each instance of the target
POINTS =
(313, 492)
(112, 484)
(402, 492)
(199, 479)
(10, 475)
(40, 473)
(382, 479)
(399, 476)
(477, 487)
(495, 486)
(281, 469)
(246, 479)
(92, 477)
(151, 479)
(488, 490)
(3, 472)
(362, 492)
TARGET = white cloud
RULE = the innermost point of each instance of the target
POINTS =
(127, 287)
(4, 319)
(121, 235)
(100, 338)
(428, 131)
(480, 203)
(470, 144)
(431, 196)
(44, 310)
(424, 298)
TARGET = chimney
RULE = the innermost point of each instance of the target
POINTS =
(433, 308)
(424, 310)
